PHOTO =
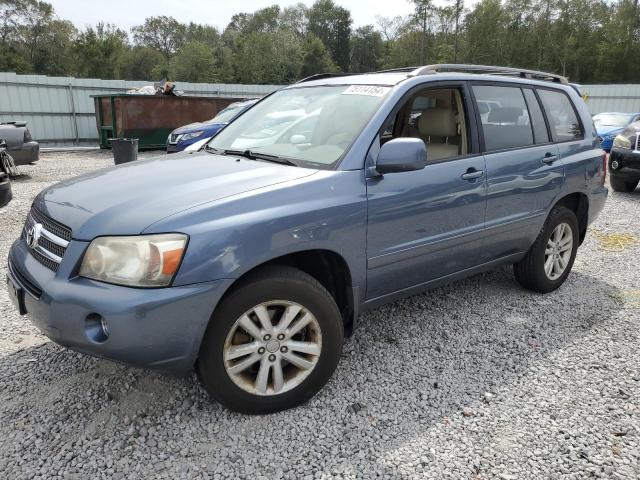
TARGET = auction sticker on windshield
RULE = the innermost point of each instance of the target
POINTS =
(369, 90)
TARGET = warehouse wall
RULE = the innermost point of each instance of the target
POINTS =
(60, 109)
(612, 98)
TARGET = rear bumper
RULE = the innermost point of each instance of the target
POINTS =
(26, 153)
(153, 328)
(628, 163)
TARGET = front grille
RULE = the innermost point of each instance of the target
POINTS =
(51, 239)
(51, 225)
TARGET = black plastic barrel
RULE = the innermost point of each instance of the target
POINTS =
(124, 150)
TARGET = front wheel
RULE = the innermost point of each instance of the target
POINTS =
(272, 343)
(622, 185)
(548, 262)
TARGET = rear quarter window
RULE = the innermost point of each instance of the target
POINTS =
(561, 115)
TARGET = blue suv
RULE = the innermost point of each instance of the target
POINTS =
(252, 259)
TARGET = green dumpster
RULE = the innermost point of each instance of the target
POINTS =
(150, 118)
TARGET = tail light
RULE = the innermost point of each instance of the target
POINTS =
(27, 135)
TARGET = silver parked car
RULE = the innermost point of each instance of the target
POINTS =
(20, 145)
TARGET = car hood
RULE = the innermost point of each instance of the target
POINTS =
(608, 130)
(126, 199)
(196, 127)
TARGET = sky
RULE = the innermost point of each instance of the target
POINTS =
(127, 13)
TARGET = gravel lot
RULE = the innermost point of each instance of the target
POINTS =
(479, 379)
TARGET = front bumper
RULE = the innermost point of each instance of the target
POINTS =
(628, 163)
(155, 328)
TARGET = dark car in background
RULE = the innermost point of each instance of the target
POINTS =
(624, 160)
(185, 136)
(20, 145)
(610, 124)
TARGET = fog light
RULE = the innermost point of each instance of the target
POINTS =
(96, 328)
(615, 164)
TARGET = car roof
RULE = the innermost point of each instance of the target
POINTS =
(392, 79)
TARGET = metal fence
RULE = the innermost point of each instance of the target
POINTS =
(612, 98)
(61, 110)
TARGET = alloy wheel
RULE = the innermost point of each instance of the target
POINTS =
(272, 348)
(558, 251)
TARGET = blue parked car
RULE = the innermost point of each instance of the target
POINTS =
(611, 124)
(251, 259)
(183, 137)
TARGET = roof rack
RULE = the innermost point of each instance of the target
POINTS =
(489, 70)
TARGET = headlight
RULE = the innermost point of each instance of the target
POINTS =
(140, 261)
(190, 136)
(622, 142)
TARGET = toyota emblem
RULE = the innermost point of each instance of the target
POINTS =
(33, 235)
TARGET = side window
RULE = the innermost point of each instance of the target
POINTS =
(561, 115)
(506, 124)
(437, 117)
(540, 134)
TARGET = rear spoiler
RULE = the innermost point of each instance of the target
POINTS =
(17, 123)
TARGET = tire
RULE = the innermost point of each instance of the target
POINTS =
(622, 185)
(278, 290)
(530, 271)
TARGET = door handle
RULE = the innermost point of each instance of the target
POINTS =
(472, 174)
(549, 159)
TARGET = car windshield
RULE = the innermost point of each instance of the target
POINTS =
(314, 125)
(227, 114)
(611, 120)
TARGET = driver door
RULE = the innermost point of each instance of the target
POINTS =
(427, 224)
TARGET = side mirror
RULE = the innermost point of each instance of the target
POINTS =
(402, 155)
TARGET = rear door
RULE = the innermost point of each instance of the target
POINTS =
(524, 171)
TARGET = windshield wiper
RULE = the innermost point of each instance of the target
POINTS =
(261, 156)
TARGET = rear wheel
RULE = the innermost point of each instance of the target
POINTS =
(273, 342)
(548, 262)
(622, 185)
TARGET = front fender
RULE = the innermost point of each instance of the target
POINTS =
(326, 211)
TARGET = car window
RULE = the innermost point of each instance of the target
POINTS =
(227, 114)
(437, 117)
(304, 124)
(561, 115)
(507, 124)
(540, 134)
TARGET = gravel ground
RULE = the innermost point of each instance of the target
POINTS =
(479, 379)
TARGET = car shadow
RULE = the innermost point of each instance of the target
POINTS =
(424, 358)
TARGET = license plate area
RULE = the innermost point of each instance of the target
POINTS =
(16, 295)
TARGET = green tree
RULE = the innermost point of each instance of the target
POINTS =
(268, 58)
(315, 57)
(193, 63)
(141, 63)
(162, 33)
(98, 51)
(332, 24)
(367, 50)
